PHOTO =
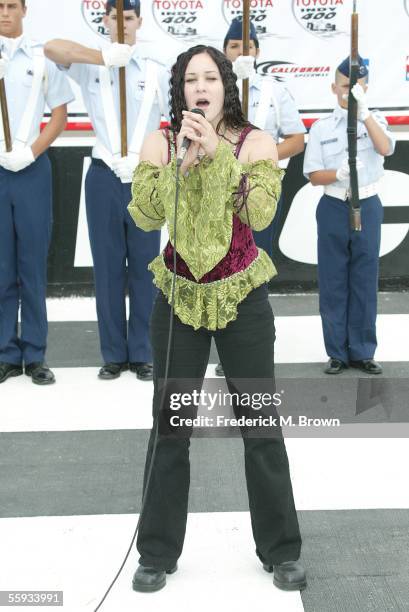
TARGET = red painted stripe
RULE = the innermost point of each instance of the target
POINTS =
(78, 126)
(393, 120)
(398, 120)
(82, 126)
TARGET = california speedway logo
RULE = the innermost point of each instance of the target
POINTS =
(93, 12)
(262, 14)
(282, 71)
(323, 18)
(182, 19)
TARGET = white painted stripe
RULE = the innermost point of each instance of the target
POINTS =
(72, 309)
(342, 474)
(299, 338)
(78, 401)
(83, 255)
(80, 555)
(355, 475)
(75, 141)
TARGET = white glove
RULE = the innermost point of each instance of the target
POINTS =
(17, 160)
(343, 170)
(117, 55)
(3, 66)
(124, 167)
(243, 66)
(360, 97)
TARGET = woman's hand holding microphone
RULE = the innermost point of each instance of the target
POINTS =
(202, 135)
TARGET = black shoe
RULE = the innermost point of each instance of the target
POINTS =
(288, 576)
(149, 579)
(7, 370)
(219, 370)
(370, 366)
(109, 371)
(40, 373)
(144, 371)
(335, 366)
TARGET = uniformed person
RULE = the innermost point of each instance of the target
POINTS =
(31, 82)
(271, 108)
(115, 240)
(348, 260)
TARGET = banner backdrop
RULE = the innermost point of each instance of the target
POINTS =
(301, 41)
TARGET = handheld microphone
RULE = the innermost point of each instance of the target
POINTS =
(186, 141)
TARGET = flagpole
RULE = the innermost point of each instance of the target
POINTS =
(246, 51)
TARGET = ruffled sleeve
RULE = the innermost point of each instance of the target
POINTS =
(147, 206)
(258, 193)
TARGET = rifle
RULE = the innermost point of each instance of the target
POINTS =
(122, 80)
(5, 115)
(352, 130)
(246, 48)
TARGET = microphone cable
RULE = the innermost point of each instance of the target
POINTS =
(155, 426)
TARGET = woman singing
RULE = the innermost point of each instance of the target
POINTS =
(229, 185)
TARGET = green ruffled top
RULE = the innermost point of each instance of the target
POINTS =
(207, 202)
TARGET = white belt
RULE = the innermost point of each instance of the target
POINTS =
(344, 194)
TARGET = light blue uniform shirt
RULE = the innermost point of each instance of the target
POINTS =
(288, 122)
(55, 91)
(327, 148)
(87, 77)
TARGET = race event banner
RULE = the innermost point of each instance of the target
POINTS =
(301, 41)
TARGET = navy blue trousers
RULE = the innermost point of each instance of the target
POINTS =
(115, 242)
(348, 265)
(25, 232)
(264, 239)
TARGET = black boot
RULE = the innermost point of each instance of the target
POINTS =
(40, 373)
(370, 366)
(7, 370)
(288, 576)
(150, 579)
(142, 369)
(334, 366)
(109, 371)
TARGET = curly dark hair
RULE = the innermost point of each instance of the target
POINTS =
(233, 117)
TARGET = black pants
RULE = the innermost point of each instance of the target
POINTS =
(246, 350)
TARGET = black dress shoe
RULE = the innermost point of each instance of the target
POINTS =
(143, 370)
(7, 370)
(288, 576)
(150, 579)
(335, 366)
(40, 373)
(109, 371)
(370, 366)
(219, 370)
